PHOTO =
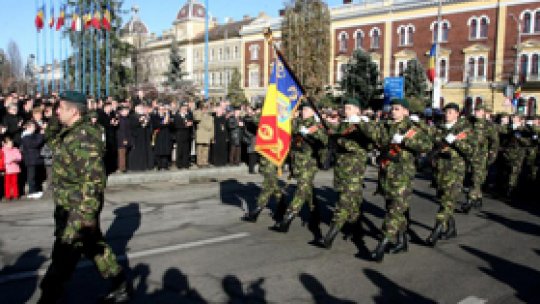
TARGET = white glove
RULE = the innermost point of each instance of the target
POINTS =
(354, 119)
(515, 126)
(535, 137)
(450, 138)
(529, 123)
(398, 138)
(317, 118)
(304, 130)
(414, 118)
(364, 118)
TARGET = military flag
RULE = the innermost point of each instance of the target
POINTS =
(61, 18)
(87, 19)
(106, 20)
(96, 20)
(432, 70)
(76, 20)
(39, 18)
(51, 18)
(283, 96)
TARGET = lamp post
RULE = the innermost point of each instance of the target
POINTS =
(206, 57)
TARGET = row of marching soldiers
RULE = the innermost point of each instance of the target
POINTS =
(454, 147)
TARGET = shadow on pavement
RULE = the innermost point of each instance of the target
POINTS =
(524, 280)
(31, 260)
(234, 290)
(318, 291)
(516, 225)
(390, 292)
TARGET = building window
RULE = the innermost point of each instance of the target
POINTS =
(359, 39)
(236, 52)
(254, 78)
(220, 54)
(481, 67)
(406, 35)
(254, 52)
(537, 22)
(478, 27)
(212, 54)
(534, 65)
(529, 68)
(341, 71)
(483, 27)
(220, 79)
(227, 53)
(443, 69)
(476, 69)
(343, 41)
(527, 22)
(445, 26)
(473, 28)
(375, 38)
(470, 68)
(401, 66)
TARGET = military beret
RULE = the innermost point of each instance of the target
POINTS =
(451, 105)
(400, 101)
(74, 97)
(352, 101)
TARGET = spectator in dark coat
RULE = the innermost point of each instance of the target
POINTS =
(13, 124)
(31, 143)
(161, 137)
(107, 119)
(140, 155)
(123, 138)
(183, 122)
(235, 124)
(219, 148)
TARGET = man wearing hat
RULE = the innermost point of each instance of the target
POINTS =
(352, 148)
(486, 147)
(400, 141)
(309, 137)
(78, 190)
(454, 148)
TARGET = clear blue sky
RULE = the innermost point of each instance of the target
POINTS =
(17, 16)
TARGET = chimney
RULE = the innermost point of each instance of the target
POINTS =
(347, 1)
(281, 12)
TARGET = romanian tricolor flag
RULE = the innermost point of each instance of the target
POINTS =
(61, 18)
(39, 18)
(76, 20)
(96, 20)
(87, 19)
(51, 18)
(106, 20)
(275, 126)
(432, 69)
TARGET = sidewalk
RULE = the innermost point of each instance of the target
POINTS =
(175, 175)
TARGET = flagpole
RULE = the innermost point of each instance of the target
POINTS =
(66, 63)
(436, 103)
(98, 64)
(38, 88)
(83, 37)
(45, 72)
(61, 80)
(108, 53)
(52, 50)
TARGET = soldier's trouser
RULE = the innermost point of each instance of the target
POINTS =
(304, 187)
(65, 258)
(514, 170)
(202, 154)
(270, 187)
(449, 188)
(479, 174)
(397, 187)
(348, 181)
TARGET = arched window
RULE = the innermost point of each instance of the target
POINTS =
(527, 18)
(473, 28)
(343, 42)
(442, 68)
(410, 35)
(435, 32)
(537, 21)
(402, 36)
(534, 65)
(470, 68)
(445, 31)
(481, 67)
(220, 54)
(375, 38)
(524, 67)
(359, 37)
(484, 27)
(254, 52)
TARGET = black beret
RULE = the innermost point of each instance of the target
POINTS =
(452, 105)
(74, 97)
(352, 101)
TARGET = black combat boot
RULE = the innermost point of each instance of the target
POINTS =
(120, 292)
(253, 215)
(377, 255)
(435, 234)
(466, 207)
(401, 244)
(451, 231)
(330, 236)
(284, 225)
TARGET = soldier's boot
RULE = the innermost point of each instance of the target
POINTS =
(401, 244)
(253, 215)
(477, 204)
(121, 290)
(466, 206)
(435, 234)
(284, 225)
(330, 236)
(377, 255)
(451, 231)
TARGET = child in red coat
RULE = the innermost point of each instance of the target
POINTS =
(12, 158)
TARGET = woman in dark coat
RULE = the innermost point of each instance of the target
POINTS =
(162, 137)
(140, 156)
(123, 138)
(220, 146)
(183, 123)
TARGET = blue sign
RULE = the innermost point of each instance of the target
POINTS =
(394, 87)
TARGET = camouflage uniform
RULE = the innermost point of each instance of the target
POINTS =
(486, 148)
(78, 183)
(513, 156)
(351, 159)
(531, 155)
(451, 162)
(397, 163)
(270, 185)
(306, 153)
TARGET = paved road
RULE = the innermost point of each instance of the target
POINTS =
(185, 244)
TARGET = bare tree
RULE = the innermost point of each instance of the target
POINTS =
(14, 57)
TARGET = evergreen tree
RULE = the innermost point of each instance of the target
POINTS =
(306, 43)
(235, 93)
(174, 74)
(416, 83)
(361, 78)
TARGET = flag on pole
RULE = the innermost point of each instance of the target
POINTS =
(432, 70)
(96, 20)
(87, 19)
(106, 20)
(39, 18)
(283, 95)
(76, 20)
(61, 18)
(51, 18)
